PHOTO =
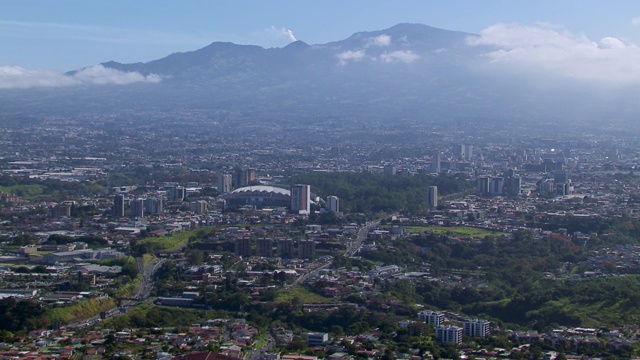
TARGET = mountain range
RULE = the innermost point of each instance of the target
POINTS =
(406, 71)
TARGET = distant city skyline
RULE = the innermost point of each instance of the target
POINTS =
(71, 34)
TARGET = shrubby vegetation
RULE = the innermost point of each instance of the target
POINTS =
(508, 280)
(91, 241)
(128, 264)
(20, 315)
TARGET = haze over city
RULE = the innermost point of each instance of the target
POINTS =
(344, 180)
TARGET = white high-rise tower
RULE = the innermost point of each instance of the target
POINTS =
(432, 197)
(301, 199)
(334, 204)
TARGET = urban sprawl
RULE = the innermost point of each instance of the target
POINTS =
(198, 242)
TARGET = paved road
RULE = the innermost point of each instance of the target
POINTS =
(256, 354)
(140, 292)
(314, 272)
(360, 238)
(145, 286)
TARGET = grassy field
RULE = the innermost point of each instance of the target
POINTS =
(171, 243)
(156, 245)
(146, 259)
(126, 291)
(81, 310)
(305, 296)
(27, 192)
(455, 231)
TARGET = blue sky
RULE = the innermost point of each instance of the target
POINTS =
(64, 35)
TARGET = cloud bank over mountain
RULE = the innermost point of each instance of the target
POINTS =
(15, 77)
(549, 49)
(506, 72)
(370, 50)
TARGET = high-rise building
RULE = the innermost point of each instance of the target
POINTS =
(307, 249)
(546, 187)
(177, 193)
(285, 248)
(483, 184)
(264, 247)
(432, 197)
(301, 199)
(468, 152)
(390, 170)
(243, 246)
(61, 210)
(435, 164)
(225, 183)
(476, 327)
(137, 208)
(563, 188)
(239, 178)
(561, 176)
(512, 183)
(465, 151)
(562, 182)
(181, 193)
(244, 177)
(449, 334)
(496, 186)
(251, 176)
(334, 204)
(118, 205)
(434, 318)
(153, 205)
(199, 207)
(317, 339)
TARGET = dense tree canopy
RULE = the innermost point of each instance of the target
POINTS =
(366, 192)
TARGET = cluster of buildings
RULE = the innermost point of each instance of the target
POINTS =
(297, 199)
(449, 333)
(81, 255)
(516, 178)
(285, 249)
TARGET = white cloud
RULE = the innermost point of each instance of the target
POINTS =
(101, 75)
(611, 43)
(380, 40)
(15, 77)
(406, 56)
(273, 37)
(635, 21)
(554, 50)
(346, 56)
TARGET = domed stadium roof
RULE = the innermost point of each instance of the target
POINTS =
(262, 189)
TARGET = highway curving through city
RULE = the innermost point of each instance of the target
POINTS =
(141, 292)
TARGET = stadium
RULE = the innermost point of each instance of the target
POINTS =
(260, 196)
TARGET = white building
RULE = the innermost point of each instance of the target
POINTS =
(476, 328)
(317, 339)
(434, 318)
(334, 204)
(225, 183)
(449, 334)
(432, 197)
